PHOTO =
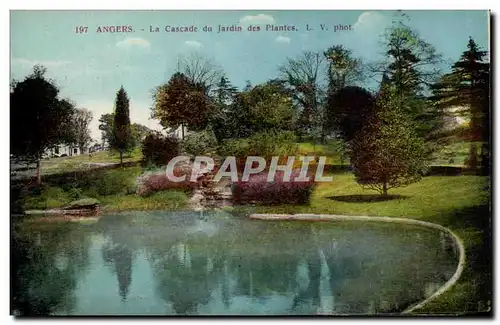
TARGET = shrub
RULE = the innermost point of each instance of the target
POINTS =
(271, 143)
(234, 147)
(47, 198)
(158, 149)
(155, 182)
(264, 144)
(200, 143)
(258, 189)
(75, 193)
(112, 182)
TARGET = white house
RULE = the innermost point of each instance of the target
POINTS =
(64, 150)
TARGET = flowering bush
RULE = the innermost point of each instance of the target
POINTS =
(258, 189)
(158, 181)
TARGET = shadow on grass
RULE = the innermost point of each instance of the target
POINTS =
(477, 216)
(474, 291)
(366, 198)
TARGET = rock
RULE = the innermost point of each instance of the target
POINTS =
(83, 204)
(83, 207)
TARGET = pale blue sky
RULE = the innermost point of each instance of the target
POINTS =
(90, 67)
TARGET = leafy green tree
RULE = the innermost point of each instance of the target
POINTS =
(139, 133)
(122, 134)
(343, 68)
(200, 143)
(303, 75)
(182, 103)
(67, 132)
(467, 90)
(80, 126)
(264, 107)
(386, 152)
(106, 122)
(38, 117)
(411, 65)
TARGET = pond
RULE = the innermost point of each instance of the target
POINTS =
(186, 263)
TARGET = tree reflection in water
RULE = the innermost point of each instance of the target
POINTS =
(46, 267)
(224, 267)
(118, 251)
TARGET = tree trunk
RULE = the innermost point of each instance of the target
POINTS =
(182, 130)
(121, 158)
(472, 158)
(384, 189)
(485, 160)
(38, 176)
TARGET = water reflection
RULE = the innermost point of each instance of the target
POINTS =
(178, 264)
(45, 269)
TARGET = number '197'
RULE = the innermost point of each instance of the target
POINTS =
(81, 29)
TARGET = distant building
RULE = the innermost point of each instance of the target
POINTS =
(65, 150)
(61, 150)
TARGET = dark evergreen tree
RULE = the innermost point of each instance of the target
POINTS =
(122, 139)
(467, 90)
(223, 96)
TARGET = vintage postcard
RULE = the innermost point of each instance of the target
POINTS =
(247, 163)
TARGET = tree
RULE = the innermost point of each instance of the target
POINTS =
(386, 152)
(411, 65)
(106, 122)
(180, 102)
(80, 126)
(343, 69)
(67, 135)
(348, 109)
(139, 133)
(199, 70)
(122, 134)
(224, 96)
(468, 87)
(302, 75)
(38, 117)
(344, 106)
(265, 107)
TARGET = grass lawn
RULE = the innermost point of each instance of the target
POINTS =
(65, 164)
(165, 200)
(458, 202)
(112, 188)
(329, 149)
(453, 154)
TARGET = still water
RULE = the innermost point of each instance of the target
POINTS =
(167, 263)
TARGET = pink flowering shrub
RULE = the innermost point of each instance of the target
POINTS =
(155, 182)
(258, 189)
